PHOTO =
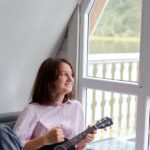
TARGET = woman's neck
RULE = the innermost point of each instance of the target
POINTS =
(58, 99)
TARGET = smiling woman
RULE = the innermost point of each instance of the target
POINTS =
(53, 115)
(48, 118)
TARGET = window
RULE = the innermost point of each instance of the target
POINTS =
(114, 39)
(113, 67)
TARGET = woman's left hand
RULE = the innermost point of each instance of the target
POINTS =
(87, 139)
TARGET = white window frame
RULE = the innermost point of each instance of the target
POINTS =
(77, 30)
(142, 90)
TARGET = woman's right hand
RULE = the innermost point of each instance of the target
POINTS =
(55, 135)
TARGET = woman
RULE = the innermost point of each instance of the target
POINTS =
(53, 115)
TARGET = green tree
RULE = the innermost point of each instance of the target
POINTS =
(120, 18)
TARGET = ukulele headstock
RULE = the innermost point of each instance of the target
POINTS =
(103, 123)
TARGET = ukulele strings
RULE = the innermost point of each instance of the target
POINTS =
(77, 138)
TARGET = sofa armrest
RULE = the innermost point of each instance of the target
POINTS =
(9, 118)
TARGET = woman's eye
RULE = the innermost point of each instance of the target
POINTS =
(62, 74)
(66, 74)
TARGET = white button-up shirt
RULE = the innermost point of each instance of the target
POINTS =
(37, 120)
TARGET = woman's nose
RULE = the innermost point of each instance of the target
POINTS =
(70, 78)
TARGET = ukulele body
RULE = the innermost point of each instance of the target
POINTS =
(58, 146)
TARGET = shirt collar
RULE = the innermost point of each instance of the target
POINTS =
(68, 101)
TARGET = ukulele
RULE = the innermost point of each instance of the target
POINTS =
(70, 144)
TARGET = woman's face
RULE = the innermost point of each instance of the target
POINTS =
(64, 83)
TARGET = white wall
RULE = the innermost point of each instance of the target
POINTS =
(30, 31)
(70, 46)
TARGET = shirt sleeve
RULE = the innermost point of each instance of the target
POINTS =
(25, 124)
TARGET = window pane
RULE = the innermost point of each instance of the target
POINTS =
(114, 40)
(122, 108)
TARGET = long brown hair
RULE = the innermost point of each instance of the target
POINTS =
(44, 82)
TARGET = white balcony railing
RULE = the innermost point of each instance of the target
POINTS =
(121, 107)
(114, 66)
